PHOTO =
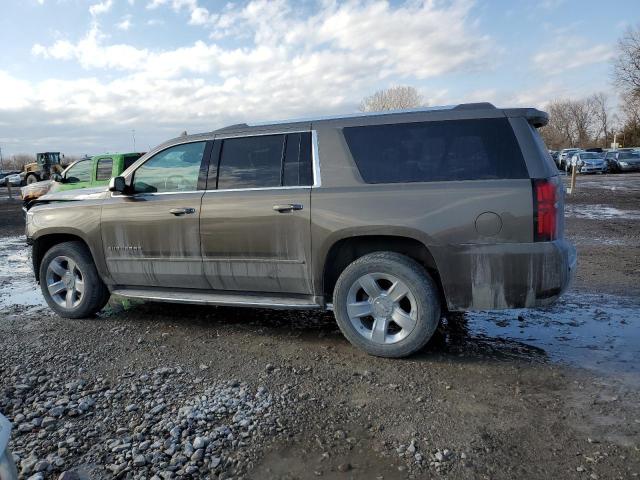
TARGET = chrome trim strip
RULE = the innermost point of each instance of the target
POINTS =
(315, 166)
(315, 159)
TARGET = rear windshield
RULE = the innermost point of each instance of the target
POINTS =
(436, 151)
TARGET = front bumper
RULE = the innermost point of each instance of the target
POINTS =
(629, 168)
(587, 169)
(507, 275)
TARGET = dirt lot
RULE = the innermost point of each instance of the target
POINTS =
(183, 391)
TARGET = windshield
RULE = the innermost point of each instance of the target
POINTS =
(590, 155)
(627, 155)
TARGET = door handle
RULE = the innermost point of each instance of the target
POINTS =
(182, 211)
(288, 207)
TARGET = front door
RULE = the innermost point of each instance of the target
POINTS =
(255, 226)
(151, 237)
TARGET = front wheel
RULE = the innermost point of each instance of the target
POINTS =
(386, 304)
(70, 282)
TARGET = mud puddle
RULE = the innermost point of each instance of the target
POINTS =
(18, 288)
(596, 332)
(600, 212)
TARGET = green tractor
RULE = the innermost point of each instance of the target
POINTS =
(43, 168)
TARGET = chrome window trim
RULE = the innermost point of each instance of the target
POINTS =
(315, 161)
(315, 165)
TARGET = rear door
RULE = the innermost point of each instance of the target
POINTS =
(151, 237)
(255, 220)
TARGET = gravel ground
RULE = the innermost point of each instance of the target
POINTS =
(166, 391)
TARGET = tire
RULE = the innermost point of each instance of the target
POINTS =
(420, 305)
(61, 288)
(32, 179)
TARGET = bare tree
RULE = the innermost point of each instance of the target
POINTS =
(601, 116)
(626, 67)
(572, 123)
(394, 98)
(559, 132)
(19, 160)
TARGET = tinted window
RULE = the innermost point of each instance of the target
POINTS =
(130, 160)
(79, 172)
(436, 151)
(251, 162)
(105, 167)
(297, 169)
(175, 169)
(627, 155)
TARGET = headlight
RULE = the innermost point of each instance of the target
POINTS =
(624, 164)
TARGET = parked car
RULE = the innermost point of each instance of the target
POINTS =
(85, 173)
(387, 219)
(622, 161)
(14, 179)
(589, 162)
(564, 157)
(554, 155)
(8, 469)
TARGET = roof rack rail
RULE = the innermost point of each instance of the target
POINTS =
(231, 127)
(475, 106)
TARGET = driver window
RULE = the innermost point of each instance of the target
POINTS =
(80, 172)
(175, 169)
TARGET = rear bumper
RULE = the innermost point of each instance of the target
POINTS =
(501, 276)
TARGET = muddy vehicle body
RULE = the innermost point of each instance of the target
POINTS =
(387, 219)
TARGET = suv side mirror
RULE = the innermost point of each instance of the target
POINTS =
(117, 184)
(56, 177)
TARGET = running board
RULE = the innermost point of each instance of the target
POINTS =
(226, 298)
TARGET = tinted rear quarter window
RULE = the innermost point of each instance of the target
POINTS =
(104, 169)
(436, 151)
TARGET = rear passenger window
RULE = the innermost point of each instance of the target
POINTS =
(104, 169)
(264, 161)
(436, 151)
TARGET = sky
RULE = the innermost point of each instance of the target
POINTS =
(93, 76)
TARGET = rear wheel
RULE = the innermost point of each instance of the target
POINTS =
(70, 282)
(386, 304)
(32, 179)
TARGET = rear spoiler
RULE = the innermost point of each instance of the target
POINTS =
(537, 118)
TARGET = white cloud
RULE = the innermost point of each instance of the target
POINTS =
(100, 7)
(283, 64)
(571, 52)
(124, 24)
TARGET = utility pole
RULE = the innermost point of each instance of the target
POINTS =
(133, 136)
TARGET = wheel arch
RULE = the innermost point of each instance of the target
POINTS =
(44, 243)
(345, 250)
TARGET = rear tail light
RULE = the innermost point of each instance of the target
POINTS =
(545, 210)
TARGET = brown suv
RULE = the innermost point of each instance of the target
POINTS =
(387, 219)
